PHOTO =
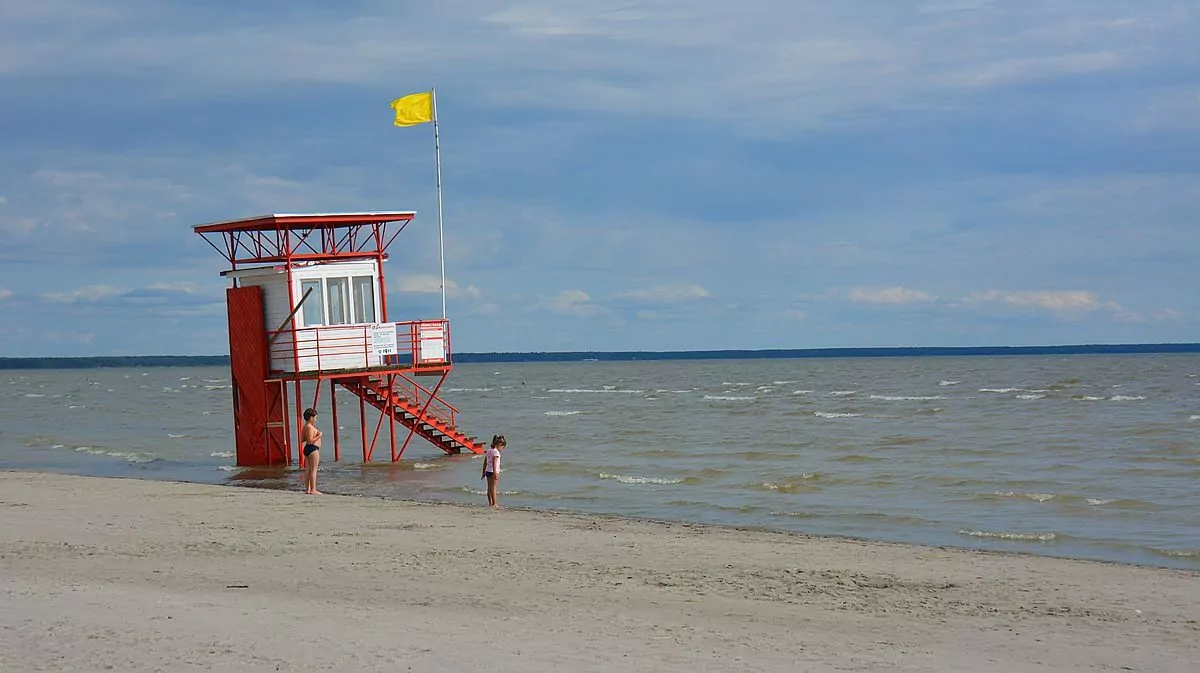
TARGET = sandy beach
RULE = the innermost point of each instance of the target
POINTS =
(128, 575)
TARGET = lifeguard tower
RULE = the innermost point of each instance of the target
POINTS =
(308, 304)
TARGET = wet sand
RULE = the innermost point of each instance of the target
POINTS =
(107, 574)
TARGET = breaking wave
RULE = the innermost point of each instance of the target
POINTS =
(1015, 537)
(1039, 497)
(624, 479)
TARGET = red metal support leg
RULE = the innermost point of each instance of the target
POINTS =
(299, 423)
(287, 436)
(337, 454)
(362, 424)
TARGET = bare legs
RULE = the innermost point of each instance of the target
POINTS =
(310, 473)
(493, 491)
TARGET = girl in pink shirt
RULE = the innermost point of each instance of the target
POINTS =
(491, 468)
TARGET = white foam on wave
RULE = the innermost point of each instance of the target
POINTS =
(590, 391)
(34, 395)
(624, 479)
(91, 449)
(221, 454)
(764, 389)
(801, 392)
(563, 413)
(469, 390)
(134, 457)
(1017, 537)
(1127, 398)
(1091, 398)
(1030, 397)
(732, 383)
(1194, 418)
(174, 436)
(730, 398)
(213, 387)
(57, 446)
(77, 406)
(1040, 497)
(476, 491)
(907, 398)
(788, 486)
(227, 468)
(1100, 501)
(834, 414)
(782, 383)
(426, 466)
(843, 393)
(949, 383)
(1000, 390)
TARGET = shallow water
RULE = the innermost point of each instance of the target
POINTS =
(1089, 456)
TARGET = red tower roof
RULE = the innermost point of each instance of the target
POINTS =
(310, 237)
(280, 222)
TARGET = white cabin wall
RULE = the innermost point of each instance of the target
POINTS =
(277, 307)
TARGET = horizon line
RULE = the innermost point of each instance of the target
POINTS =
(734, 353)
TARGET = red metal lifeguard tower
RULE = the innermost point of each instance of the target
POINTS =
(309, 304)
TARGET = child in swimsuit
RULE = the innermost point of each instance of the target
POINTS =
(310, 437)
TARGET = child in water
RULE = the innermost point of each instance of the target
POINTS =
(491, 468)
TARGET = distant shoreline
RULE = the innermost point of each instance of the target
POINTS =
(101, 362)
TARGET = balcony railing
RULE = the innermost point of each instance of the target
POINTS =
(415, 344)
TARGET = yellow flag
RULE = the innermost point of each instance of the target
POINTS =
(413, 109)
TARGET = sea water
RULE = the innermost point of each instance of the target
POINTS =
(1090, 456)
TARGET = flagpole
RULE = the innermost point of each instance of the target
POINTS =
(437, 153)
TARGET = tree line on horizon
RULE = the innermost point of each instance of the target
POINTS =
(101, 362)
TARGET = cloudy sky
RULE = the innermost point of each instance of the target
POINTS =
(656, 175)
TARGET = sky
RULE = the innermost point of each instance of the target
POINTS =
(618, 175)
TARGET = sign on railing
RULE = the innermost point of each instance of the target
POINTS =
(431, 337)
(383, 341)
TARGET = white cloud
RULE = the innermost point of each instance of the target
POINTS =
(796, 314)
(667, 294)
(430, 284)
(1065, 301)
(184, 287)
(888, 295)
(5, 293)
(485, 309)
(571, 302)
(86, 293)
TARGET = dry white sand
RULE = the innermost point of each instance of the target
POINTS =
(125, 575)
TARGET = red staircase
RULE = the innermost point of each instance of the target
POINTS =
(416, 408)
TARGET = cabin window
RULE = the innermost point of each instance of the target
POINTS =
(313, 308)
(364, 299)
(338, 290)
